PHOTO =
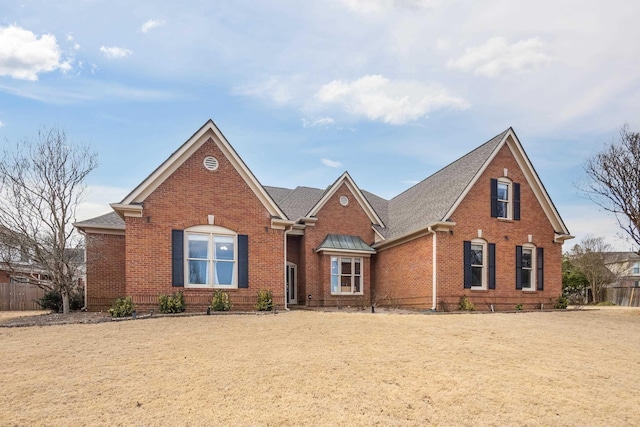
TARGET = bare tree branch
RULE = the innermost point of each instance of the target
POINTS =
(41, 185)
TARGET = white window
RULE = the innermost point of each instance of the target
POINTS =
(478, 264)
(210, 257)
(528, 272)
(504, 199)
(636, 268)
(346, 275)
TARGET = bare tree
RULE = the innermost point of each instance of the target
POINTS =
(588, 259)
(614, 180)
(42, 183)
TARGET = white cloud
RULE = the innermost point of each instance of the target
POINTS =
(325, 121)
(1, 124)
(381, 6)
(331, 163)
(115, 52)
(23, 55)
(497, 57)
(272, 88)
(96, 201)
(396, 102)
(151, 23)
(410, 181)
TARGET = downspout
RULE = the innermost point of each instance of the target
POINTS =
(434, 271)
(286, 295)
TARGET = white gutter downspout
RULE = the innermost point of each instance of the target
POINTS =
(286, 295)
(434, 272)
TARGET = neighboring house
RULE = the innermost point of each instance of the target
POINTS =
(625, 266)
(483, 227)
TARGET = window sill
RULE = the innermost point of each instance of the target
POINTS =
(479, 290)
(506, 219)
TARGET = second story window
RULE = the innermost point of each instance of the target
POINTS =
(505, 199)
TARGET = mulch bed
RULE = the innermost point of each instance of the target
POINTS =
(47, 319)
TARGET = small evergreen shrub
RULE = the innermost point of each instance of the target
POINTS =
(122, 307)
(52, 300)
(465, 304)
(172, 304)
(265, 300)
(221, 301)
(519, 307)
(562, 302)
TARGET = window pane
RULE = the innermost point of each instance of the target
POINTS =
(334, 265)
(357, 265)
(357, 281)
(526, 278)
(346, 265)
(198, 272)
(224, 248)
(476, 255)
(503, 192)
(526, 258)
(502, 209)
(476, 276)
(198, 246)
(345, 284)
(224, 273)
(334, 284)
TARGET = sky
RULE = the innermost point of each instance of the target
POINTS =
(388, 90)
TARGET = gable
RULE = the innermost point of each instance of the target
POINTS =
(131, 204)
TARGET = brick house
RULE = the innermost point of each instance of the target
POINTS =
(483, 227)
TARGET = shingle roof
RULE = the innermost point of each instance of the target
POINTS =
(295, 203)
(431, 199)
(109, 220)
(414, 209)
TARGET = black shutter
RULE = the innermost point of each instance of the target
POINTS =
(492, 265)
(518, 267)
(177, 258)
(494, 198)
(243, 261)
(540, 269)
(516, 201)
(467, 265)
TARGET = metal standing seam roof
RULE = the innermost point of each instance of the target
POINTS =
(341, 242)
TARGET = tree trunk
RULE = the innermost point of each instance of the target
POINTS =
(65, 301)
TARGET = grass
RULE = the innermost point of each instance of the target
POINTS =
(314, 368)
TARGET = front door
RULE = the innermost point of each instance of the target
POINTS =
(292, 283)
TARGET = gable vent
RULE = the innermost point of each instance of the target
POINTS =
(211, 163)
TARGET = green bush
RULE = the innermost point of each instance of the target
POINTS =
(52, 300)
(562, 302)
(122, 307)
(221, 301)
(465, 304)
(265, 300)
(172, 304)
(519, 307)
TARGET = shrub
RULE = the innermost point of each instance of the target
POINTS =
(265, 300)
(122, 307)
(52, 300)
(171, 304)
(561, 302)
(465, 304)
(519, 307)
(221, 301)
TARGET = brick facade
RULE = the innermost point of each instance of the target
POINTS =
(105, 270)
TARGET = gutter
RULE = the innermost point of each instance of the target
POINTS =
(434, 271)
(286, 294)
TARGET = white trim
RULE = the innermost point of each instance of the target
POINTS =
(124, 209)
(533, 269)
(345, 252)
(530, 174)
(211, 231)
(485, 264)
(430, 228)
(353, 275)
(208, 131)
(346, 179)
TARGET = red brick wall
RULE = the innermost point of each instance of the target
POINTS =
(334, 218)
(397, 267)
(105, 270)
(474, 213)
(185, 199)
(404, 274)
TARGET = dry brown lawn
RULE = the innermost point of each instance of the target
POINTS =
(579, 368)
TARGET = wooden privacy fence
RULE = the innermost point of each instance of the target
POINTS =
(16, 296)
(626, 297)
